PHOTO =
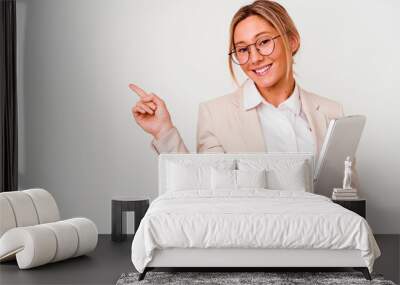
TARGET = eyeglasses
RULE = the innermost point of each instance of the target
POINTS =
(264, 46)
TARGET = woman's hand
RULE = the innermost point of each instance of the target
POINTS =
(151, 113)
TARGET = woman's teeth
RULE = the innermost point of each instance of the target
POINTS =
(263, 70)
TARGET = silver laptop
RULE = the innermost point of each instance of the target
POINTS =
(341, 140)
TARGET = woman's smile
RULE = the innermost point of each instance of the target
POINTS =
(263, 70)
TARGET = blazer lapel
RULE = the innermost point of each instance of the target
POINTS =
(249, 126)
(315, 117)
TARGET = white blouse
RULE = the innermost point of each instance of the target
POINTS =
(285, 127)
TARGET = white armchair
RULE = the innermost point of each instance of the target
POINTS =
(32, 233)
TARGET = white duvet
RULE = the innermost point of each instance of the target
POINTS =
(250, 218)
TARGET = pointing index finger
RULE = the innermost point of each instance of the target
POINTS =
(139, 91)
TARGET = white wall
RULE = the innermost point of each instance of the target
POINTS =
(76, 58)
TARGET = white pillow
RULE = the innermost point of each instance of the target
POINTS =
(282, 174)
(294, 178)
(223, 178)
(251, 178)
(185, 175)
(237, 179)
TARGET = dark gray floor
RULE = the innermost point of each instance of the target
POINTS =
(110, 260)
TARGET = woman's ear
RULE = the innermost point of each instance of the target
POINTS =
(294, 44)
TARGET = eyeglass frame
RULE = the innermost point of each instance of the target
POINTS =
(234, 50)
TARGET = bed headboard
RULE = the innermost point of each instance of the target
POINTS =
(164, 158)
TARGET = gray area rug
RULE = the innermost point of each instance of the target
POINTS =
(273, 278)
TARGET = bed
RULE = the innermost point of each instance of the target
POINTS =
(247, 210)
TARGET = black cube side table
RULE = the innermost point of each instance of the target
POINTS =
(119, 207)
(358, 206)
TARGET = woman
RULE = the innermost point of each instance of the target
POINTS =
(269, 112)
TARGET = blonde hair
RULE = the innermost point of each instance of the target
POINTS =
(277, 16)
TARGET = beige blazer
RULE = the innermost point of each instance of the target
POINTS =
(225, 126)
